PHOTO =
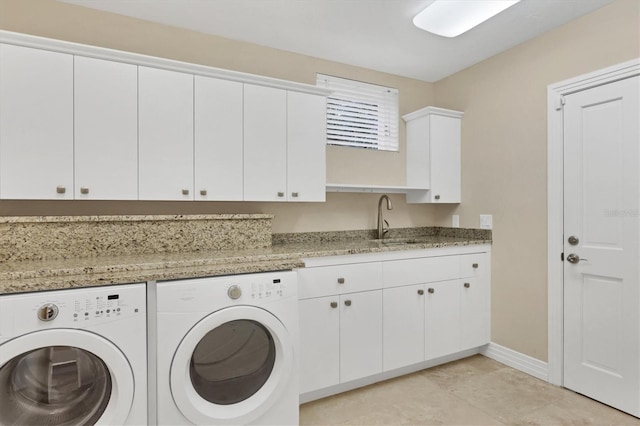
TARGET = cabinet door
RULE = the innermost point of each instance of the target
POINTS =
(306, 147)
(265, 143)
(165, 102)
(475, 312)
(442, 318)
(403, 328)
(445, 159)
(106, 129)
(218, 139)
(360, 335)
(36, 124)
(319, 343)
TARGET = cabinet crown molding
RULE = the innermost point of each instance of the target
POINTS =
(434, 111)
(72, 48)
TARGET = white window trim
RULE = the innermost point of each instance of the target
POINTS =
(360, 114)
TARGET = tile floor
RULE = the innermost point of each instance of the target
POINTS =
(472, 391)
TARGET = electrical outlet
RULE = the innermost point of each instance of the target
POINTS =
(486, 221)
(455, 221)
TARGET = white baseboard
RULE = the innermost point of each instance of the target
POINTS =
(517, 360)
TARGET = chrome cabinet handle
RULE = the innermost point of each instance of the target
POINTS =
(475, 266)
(340, 280)
(61, 189)
(437, 197)
(203, 192)
(431, 290)
(280, 194)
(84, 190)
(421, 292)
(294, 194)
(347, 302)
(334, 304)
(467, 285)
(185, 192)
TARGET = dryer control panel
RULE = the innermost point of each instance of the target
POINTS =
(76, 308)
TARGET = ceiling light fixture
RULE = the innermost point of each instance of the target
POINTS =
(450, 18)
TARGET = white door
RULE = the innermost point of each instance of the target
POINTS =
(165, 105)
(444, 146)
(36, 124)
(106, 129)
(265, 143)
(360, 335)
(601, 232)
(306, 145)
(218, 139)
(442, 319)
(403, 326)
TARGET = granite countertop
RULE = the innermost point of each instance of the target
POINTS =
(286, 252)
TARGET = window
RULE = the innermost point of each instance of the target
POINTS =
(360, 114)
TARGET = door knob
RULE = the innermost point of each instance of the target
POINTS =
(574, 258)
(573, 240)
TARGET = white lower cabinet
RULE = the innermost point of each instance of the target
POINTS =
(360, 319)
(403, 328)
(319, 343)
(360, 335)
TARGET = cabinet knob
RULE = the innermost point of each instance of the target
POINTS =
(421, 292)
(340, 280)
(431, 290)
(84, 190)
(467, 285)
(334, 304)
(61, 189)
(203, 192)
(347, 302)
(437, 197)
(185, 192)
(475, 266)
(294, 194)
(280, 194)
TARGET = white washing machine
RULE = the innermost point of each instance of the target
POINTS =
(227, 350)
(71, 357)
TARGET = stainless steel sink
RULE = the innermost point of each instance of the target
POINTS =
(397, 241)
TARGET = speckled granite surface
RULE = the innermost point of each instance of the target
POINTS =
(285, 253)
(68, 237)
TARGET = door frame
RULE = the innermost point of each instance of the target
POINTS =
(555, 200)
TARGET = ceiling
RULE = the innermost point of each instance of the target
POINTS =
(375, 34)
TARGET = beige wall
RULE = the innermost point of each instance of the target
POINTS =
(504, 138)
(49, 18)
(504, 155)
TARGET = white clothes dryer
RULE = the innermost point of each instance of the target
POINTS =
(227, 350)
(70, 357)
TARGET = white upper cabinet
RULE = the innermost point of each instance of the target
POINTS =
(433, 155)
(106, 129)
(218, 139)
(36, 124)
(306, 146)
(165, 108)
(265, 143)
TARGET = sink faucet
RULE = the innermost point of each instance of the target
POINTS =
(381, 230)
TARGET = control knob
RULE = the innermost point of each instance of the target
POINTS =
(47, 312)
(234, 292)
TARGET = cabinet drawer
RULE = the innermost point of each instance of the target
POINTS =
(422, 270)
(339, 279)
(474, 265)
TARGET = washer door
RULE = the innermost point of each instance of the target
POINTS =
(64, 377)
(231, 366)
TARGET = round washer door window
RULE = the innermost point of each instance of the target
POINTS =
(231, 366)
(63, 377)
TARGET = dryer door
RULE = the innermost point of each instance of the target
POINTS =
(64, 377)
(231, 366)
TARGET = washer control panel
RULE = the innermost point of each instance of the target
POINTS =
(74, 308)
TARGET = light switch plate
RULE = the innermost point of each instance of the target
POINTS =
(455, 221)
(486, 221)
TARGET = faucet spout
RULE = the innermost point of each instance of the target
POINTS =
(381, 230)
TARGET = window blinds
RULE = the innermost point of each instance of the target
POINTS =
(361, 114)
